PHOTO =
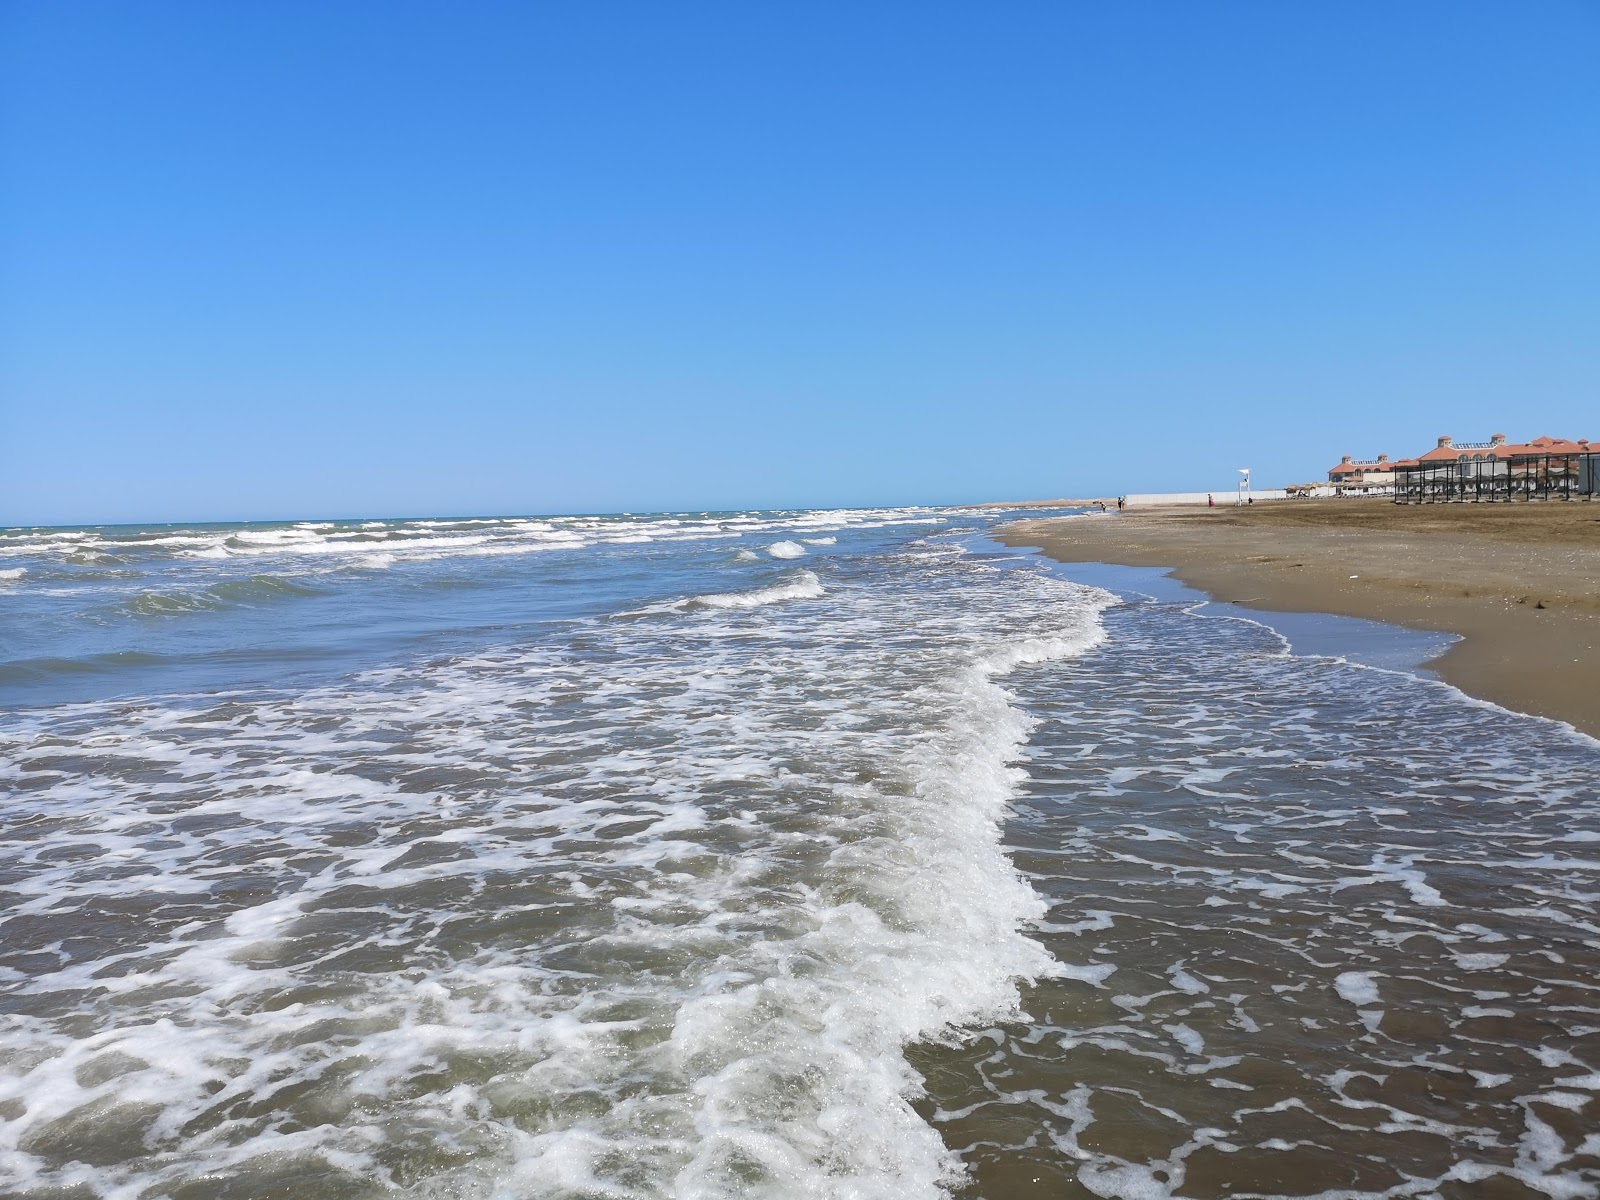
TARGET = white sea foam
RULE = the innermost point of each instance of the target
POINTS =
(1480, 962)
(663, 906)
(786, 550)
(1095, 974)
(1358, 987)
(651, 907)
(11, 574)
(804, 586)
(343, 543)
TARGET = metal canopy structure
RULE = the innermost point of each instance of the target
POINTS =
(1488, 478)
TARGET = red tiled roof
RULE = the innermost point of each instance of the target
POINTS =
(1351, 468)
(1539, 445)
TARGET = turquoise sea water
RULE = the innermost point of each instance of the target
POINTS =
(786, 854)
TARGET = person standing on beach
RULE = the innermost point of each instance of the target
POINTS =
(1211, 501)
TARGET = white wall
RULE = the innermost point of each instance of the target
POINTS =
(1144, 499)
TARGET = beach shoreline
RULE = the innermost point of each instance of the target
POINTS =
(1518, 584)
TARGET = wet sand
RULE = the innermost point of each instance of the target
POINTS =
(1519, 583)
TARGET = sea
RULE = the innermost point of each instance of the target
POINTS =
(792, 854)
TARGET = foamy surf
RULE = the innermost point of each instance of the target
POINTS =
(679, 895)
(1303, 962)
(804, 586)
(914, 873)
(425, 541)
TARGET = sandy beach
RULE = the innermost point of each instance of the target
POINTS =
(1519, 583)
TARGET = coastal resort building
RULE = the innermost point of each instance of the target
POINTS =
(1545, 468)
(1362, 477)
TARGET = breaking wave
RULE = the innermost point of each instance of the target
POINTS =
(804, 586)
(652, 909)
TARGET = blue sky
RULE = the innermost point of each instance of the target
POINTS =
(289, 260)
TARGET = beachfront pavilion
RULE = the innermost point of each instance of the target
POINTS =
(1544, 469)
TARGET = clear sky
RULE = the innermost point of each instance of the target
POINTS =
(274, 259)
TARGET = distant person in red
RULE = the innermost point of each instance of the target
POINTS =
(1211, 501)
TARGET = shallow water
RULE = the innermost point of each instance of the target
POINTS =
(1328, 929)
(783, 854)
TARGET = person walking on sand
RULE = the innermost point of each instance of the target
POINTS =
(1211, 501)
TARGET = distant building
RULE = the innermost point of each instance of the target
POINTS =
(1500, 470)
(1496, 449)
(1361, 476)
